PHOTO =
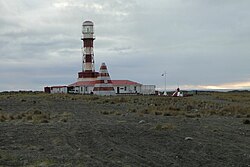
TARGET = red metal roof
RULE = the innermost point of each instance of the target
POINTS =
(58, 86)
(114, 82)
(81, 83)
(124, 82)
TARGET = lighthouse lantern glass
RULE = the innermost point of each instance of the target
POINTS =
(87, 29)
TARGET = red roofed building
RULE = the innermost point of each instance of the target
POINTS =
(126, 87)
(120, 86)
(91, 82)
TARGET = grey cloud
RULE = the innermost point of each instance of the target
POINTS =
(196, 42)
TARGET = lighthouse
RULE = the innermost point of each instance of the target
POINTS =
(91, 82)
(88, 64)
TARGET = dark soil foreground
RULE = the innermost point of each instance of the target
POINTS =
(67, 130)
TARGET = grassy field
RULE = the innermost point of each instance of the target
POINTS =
(207, 129)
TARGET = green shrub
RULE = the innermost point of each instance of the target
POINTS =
(64, 120)
(117, 113)
(189, 107)
(145, 111)
(164, 126)
(43, 121)
(246, 121)
(29, 117)
(105, 112)
(18, 116)
(167, 114)
(2, 118)
(192, 115)
(174, 108)
(37, 112)
(133, 110)
(158, 113)
(11, 117)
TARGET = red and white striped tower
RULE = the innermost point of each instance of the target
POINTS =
(103, 85)
(88, 67)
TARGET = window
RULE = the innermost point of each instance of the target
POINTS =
(135, 88)
(125, 88)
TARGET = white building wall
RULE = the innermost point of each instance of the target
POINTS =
(77, 90)
(86, 89)
(59, 90)
(148, 89)
(127, 89)
(119, 89)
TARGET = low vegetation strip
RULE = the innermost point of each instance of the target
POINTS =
(207, 129)
(33, 116)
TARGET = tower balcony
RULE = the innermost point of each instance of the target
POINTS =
(88, 36)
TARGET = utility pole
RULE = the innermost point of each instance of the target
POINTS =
(165, 83)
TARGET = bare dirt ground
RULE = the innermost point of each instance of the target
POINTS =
(209, 129)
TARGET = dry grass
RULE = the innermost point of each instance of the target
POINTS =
(107, 112)
(34, 116)
(242, 97)
(221, 104)
(205, 104)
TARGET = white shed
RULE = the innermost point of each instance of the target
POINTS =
(58, 89)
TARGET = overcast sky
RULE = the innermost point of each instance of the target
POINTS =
(199, 43)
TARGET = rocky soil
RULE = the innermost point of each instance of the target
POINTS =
(71, 130)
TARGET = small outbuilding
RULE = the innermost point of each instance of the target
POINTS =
(58, 89)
